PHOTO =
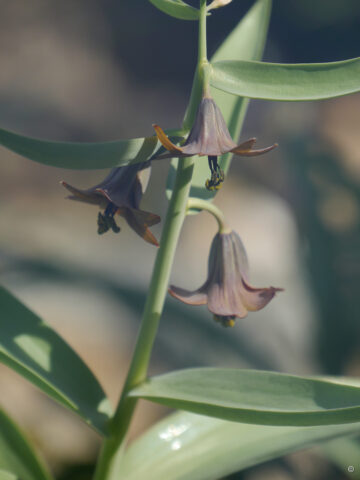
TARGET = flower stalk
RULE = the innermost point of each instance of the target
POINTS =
(198, 204)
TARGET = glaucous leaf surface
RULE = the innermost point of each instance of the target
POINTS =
(177, 9)
(287, 82)
(81, 155)
(185, 446)
(17, 458)
(245, 42)
(34, 350)
(253, 396)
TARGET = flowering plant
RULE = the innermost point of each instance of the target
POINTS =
(222, 408)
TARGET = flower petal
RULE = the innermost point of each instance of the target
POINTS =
(252, 153)
(197, 297)
(257, 298)
(84, 195)
(165, 141)
(139, 221)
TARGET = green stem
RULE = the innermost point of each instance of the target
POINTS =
(111, 451)
(201, 83)
(198, 204)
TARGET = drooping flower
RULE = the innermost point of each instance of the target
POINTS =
(226, 291)
(209, 137)
(120, 193)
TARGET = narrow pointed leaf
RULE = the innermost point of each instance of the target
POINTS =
(245, 42)
(78, 155)
(17, 457)
(34, 350)
(177, 9)
(185, 446)
(287, 82)
(254, 396)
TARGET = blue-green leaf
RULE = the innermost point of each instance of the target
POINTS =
(32, 348)
(18, 460)
(287, 82)
(185, 446)
(254, 396)
(78, 155)
(177, 9)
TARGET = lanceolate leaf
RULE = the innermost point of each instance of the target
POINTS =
(17, 458)
(185, 446)
(177, 9)
(245, 42)
(254, 396)
(287, 82)
(78, 155)
(30, 347)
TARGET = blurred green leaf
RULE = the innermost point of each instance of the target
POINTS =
(185, 446)
(254, 396)
(287, 82)
(17, 458)
(4, 475)
(245, 42)
(78, 155)
(345, 453)
(31, 348)
(177, 9)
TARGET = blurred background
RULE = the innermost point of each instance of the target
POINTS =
(93, 71)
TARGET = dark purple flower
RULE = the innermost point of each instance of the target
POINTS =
(119, 193)
(226, 291)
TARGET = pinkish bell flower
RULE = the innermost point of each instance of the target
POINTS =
(209, 137)
(226, 291)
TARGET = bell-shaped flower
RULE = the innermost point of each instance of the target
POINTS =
(120, 193)
(226, 291)
(209, 137)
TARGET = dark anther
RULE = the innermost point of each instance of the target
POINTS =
(106, 222)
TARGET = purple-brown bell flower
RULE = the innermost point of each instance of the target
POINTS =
(226, 291)
(120, 193)
(209, 136)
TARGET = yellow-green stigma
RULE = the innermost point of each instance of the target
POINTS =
(217, 175)
(225, 321)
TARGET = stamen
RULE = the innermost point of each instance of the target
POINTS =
(106, 222)
(217, 175)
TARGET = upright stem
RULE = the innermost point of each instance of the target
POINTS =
(106, 468)
(202, 52)
(110, 456)
(200, 86)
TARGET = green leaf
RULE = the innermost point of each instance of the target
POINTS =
(245, 42)
(17, 458)
(287, 82)
(31, 348)
(4, 475)
(177, 9)
(185, 446)
(345, 453)
(254, 396)
(78, 155)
